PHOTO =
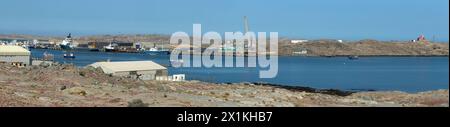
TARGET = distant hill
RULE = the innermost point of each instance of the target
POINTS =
(323, 47)
(366, 48)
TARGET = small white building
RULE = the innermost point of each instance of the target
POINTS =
(175, 78)
(179, 77)
(144, 70)
(298, 41)
(301, 52)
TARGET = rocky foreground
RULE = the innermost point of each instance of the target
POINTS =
(68, 86)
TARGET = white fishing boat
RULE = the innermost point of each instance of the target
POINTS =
(110, 48)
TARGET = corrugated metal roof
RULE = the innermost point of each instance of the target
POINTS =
(13, 50)
(113, 67)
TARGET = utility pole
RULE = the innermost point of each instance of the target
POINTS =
(246, 29)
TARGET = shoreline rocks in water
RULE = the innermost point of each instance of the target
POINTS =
(69, 86)
(335, 92)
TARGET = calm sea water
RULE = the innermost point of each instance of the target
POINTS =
(410, 74)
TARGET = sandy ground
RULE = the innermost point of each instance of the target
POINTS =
(67, 86)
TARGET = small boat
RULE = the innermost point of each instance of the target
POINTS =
(156, 51)
(353, 57)
(70, 56)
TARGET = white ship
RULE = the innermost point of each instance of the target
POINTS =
(67, 43)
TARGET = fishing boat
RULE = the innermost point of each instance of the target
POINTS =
(70, 56)
(110, 48)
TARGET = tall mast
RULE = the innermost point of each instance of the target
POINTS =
(246, 29)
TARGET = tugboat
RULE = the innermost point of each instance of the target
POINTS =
(67, 43)
(70, 56)
(353, 57)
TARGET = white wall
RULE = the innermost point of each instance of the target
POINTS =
(10, 59)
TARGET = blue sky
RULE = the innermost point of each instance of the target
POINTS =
(311, 19)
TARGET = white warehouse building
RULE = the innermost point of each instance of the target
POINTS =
(143, 70)
(15, 55)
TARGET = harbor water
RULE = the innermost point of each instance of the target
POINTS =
(409, 74)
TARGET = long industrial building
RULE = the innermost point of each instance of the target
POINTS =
(143, 70)
(15, 55)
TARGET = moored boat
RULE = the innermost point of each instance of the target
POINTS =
(110, 48)
(156, 51)
(353, 57)
(70, 56)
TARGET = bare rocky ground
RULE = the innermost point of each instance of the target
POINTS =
(67, 86)
(366, 48)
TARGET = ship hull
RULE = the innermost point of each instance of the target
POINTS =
(66, 47)
(94, 50)
(157, 52)
(110, 50)
(69, 57)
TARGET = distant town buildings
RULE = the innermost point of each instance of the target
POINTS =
(298, 41)
(301, 52)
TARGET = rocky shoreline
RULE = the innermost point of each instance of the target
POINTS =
(69, 86)
(334, 92)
